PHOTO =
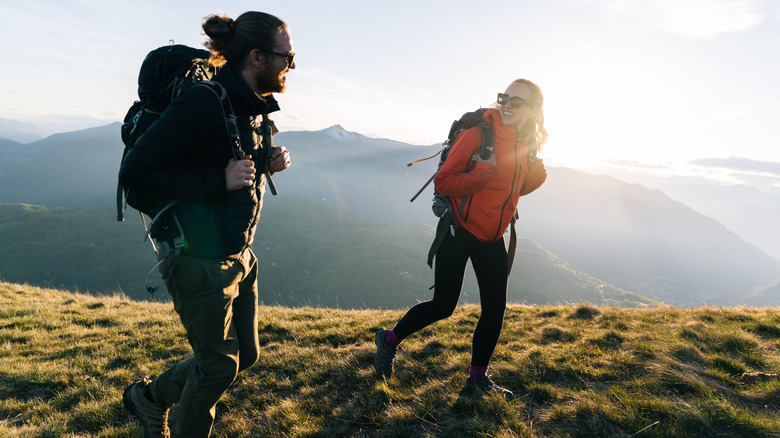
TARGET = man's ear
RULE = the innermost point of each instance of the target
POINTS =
(257, 58)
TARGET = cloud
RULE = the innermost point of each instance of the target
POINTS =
(739, 164)
(697, 18)
(634, 164)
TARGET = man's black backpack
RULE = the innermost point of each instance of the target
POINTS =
(442, 207)
(165, 73)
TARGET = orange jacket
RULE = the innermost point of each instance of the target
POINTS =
(485, 198)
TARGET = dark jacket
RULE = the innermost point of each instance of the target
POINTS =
(183, 155)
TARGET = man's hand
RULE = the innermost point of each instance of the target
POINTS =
(240, 173)
(280, 159)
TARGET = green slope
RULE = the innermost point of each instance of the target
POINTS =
(311, 253)
(763, 296)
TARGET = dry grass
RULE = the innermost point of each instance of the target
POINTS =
(579, 371)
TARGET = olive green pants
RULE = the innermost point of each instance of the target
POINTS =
(217, 303)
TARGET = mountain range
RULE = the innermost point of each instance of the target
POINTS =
(751, 213)
(19, 132)
(627, 236)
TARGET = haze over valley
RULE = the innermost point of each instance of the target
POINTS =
(601, 233)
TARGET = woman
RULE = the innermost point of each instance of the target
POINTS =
(489, 193)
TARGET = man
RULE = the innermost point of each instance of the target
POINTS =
(187, 156)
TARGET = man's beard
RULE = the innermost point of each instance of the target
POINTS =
(270, 83)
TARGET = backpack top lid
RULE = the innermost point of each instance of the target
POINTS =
(164, 64)
(468, 120)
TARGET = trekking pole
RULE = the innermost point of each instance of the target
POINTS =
(423, 187)
(444, 145)
(423, 159)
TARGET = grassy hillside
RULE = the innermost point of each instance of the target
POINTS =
(83, 250)
(311, 254)
(580, 371)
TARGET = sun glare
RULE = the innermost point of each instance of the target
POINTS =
(610, 110)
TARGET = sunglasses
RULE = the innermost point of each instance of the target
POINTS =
(287, 57)
(514, 102)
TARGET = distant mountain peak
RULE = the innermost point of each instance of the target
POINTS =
(338, 133)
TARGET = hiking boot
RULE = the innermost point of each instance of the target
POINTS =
(486, 384)
(383, 358)
(153, 418)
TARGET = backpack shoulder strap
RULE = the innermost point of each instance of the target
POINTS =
(231, 125)
(231, 122)
(487, 147)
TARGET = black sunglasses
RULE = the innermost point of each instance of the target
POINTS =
(287, 57)
(514, 102)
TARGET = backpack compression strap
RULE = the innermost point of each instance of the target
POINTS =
(510, 252)
(268, 145)
(446, 223)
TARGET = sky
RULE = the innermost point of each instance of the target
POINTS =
(663, 85)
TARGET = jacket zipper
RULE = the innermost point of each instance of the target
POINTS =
(511, 192)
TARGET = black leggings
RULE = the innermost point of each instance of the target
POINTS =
(490, 265)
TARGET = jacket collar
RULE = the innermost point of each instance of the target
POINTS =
(243, 98)
(503, 133)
